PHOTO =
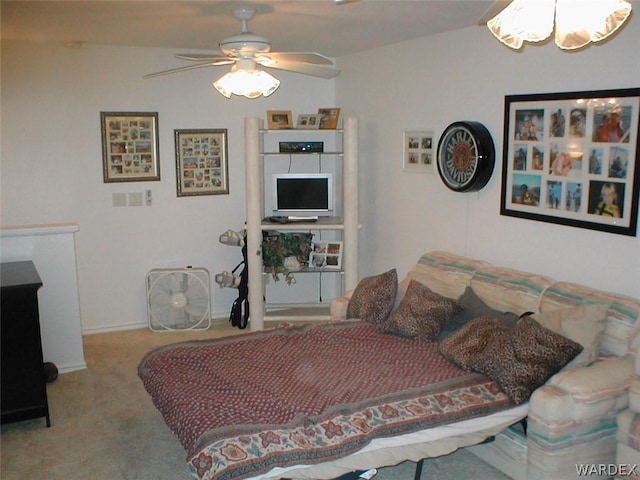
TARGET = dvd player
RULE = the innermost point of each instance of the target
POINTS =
(301, 147)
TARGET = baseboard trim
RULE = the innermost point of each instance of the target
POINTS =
(114, 328)
(135, 326)
(71, 367)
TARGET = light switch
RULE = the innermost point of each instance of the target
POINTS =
(119, 199)
(135, 199)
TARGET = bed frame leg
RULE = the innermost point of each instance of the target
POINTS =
(523, 422)
(419, 466)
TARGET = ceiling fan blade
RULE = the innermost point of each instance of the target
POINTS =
(320, 71)
(179, 69)
(306, 57)
(214, 59)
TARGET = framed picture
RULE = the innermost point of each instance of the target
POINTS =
(201, 162)
(418, 151)
(326, 255)
(130, 146)
(329, 118)
(279, 119)
(572, 159)
(308, 121)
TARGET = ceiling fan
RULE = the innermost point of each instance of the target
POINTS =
(247, 52)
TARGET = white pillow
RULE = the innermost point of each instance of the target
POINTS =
(583, 324)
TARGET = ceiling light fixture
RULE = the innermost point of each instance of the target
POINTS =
(577, 22)
(247, 80)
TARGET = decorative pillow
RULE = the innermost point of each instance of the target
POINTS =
(420, 313)
(583, 324)
(463, 346)
(472, 307)
(373, 297)
(527, 359)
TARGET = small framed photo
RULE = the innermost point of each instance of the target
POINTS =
(326, 255)
(279, 119)
(201, 162)
(329, 118)
(130, 146)
(308, 121)
(419, 150)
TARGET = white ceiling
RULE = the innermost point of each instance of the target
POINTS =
(291, 26)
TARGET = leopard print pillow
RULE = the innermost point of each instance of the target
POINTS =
(420, 314)
(463, 346)
(529, 357)
(373, 298)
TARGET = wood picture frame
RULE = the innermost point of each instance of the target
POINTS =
(329, 118)
(572, 159)
(279, 119)
(201, 162)
(130, 147)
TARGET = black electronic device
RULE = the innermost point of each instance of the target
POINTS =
(302, 195)
(301, 147)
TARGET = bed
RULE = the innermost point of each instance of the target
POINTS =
(318, 401)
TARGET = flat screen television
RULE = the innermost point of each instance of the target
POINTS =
(303, 194)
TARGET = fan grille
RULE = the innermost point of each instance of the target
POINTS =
(178, 299)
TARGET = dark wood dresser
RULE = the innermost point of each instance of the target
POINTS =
(23, 390)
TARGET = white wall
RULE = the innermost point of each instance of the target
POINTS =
(51, 172)
(52, 159)
(52, 250)
(465, 75)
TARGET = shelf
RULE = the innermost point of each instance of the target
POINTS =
(345, 161)
(301, 130)
(323, 223)
(297, 313)
(270, 154)
(310, 270)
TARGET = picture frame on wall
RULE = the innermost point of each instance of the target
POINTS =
(279, 119)
(130, 146)
(418, 154)
(326, 255)
(201, 162)
(572, 159)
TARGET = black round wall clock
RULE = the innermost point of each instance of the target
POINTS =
(466, 156)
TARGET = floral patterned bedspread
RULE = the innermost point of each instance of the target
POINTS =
(245, 404)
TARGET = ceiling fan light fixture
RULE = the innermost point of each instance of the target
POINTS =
(246, 83)
(523, 20)
(593, 21)
(577, 22)
(245, 52)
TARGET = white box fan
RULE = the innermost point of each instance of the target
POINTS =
(178, 299)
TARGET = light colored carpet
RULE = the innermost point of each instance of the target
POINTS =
(104, 426)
